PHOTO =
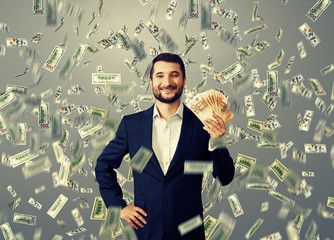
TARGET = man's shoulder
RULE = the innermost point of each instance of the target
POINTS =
(138, 115)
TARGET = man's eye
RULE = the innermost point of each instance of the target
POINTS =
(175, 75)
(159, 76)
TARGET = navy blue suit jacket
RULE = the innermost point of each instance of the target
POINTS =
(170, 199)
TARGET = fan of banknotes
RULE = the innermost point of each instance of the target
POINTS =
(209, 102)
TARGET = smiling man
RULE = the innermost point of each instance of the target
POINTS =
(164, 197)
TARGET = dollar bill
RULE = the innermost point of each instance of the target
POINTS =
(76, 231)
(66, 70)
(320, 104)
(210, 223)
(51, 12)
(327, 69)
(206, 15)
(112, 220)
(317, 87)
(259, 186)
(298, 155)
(288, 67)
(16, 42)
(280, 197)
(93, 30)
(99, 209)
(76, 164)
(307, 174)
(255, 16)
(129, 233)
(34, 203)
(279, 34)
(193, 9)
(329, 109)
(318, 8)
(36, 167)
(25, 219)
(235, 205)
(315, 148)
(121, 89)
(255, 29)
(43, 116)
(124, 40)
(311, 231)
(309, 34)
(190, 225)
(298, 222)
(261, 46)
(140, 159)
(6, 99)
(16, 89)
(272, 77)
(171, 9)
(249, 106)
(77, 217)
(276, 235)
(54, 58)
(38, 7)
(197, 167)
(89, 129)
(319, 130)
(22, 157)
(245, 161)
(330, 202)
(279, 169)
(91, 48)
(301, 50)
(7, 231)
(230, 72)
(253, 229)
(64, 139)
(3, 125)
(138, 48)
(57, 206)
(285, 94)
(63, 173)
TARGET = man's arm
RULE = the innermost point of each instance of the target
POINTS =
(110, 159)
(222, 162)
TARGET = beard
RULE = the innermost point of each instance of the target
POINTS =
(158, 95)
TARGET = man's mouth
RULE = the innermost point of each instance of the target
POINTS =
(168, 89)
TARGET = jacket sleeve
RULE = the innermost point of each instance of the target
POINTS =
(223, 166)
(111, 159)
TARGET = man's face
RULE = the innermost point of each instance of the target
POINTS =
(167, 81)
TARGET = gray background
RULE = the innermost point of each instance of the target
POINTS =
(18, 15)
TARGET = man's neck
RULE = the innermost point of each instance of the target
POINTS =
(167, 109)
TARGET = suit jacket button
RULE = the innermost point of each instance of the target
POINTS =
(164, 203)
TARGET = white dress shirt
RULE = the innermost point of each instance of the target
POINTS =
(165, 136)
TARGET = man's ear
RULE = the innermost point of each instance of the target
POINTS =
(151, 82)
(184, 82)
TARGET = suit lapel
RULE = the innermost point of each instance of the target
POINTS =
(153, 166)
(183, 143)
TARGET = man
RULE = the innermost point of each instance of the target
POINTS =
(164, 197)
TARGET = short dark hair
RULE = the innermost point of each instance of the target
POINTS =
(169, 57)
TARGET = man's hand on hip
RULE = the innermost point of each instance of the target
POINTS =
(133, 215)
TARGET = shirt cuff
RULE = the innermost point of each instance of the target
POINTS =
(210, 147)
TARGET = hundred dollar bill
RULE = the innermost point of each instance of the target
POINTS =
(92, 31)
(279, 35)
(16, 89)
(307, 174)
(210, 224)
(22, 157)
(329, 109)
(138, 49)
(144, 2)
(63, 173)
(121, 89)
(66, 70)
(190, 225)
(6, 98)
(255, 29)
(288, 67)
(34, 203)
(79, 53)
(36, 167)
(296, 79)
(106, 78)
(319, 130)
(249, 106)
(38, 8)
(230, 72)
(318, 8)
(171, 9)
(99, 210)
(214, 191)
(317, 87)
(261, 46)
(245, 161)
(279, 169)
(64, 139)
(16, 42)
(43, 116)
(306, 122)
(292, 180)
(260, 172)
(77, 217)
(76, 164)
(124, 39)
(311, 231)
(235, 205)
(320, 104)
(91, 48)
(89, 129)
(51, 12)
(298, 155)
(327, 69)
(57, 206)
(193, 9)
(197, 167)
(255, 16)
(259, 186)
(276, 235)
(54, 58)
(315, 148)
(94, 111)
(76, 231)
(7, 231)
(280, 197)
(3, 125)
(285, 94)
(140, 159)
(272, 83)
(206, 15)
(255, 227)
(113, 218)
(25, 219)
(298, 223)
(309, 34)
(301, 50)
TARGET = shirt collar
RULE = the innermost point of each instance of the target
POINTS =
(178, 112)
